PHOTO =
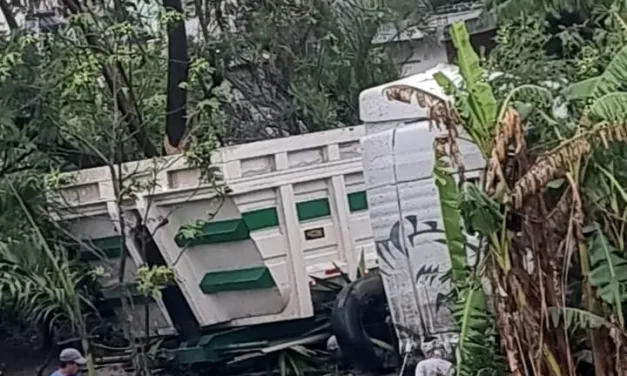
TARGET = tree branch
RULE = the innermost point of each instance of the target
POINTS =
(72, 154)
(8, 15)
(61, 148)
(113, 78)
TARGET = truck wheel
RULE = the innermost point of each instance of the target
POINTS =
(358, 304)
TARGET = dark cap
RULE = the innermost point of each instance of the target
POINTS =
(71, 355)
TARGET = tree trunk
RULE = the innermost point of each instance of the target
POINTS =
(178, 70)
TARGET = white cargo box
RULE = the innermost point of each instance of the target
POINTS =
(298, 208)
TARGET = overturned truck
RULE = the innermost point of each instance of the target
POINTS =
(299, 211)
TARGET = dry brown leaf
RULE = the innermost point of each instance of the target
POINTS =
(509, 134)
(506, 325)
(440, 112)
(557, 162)
(548, 168)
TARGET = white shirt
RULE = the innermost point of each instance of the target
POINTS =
(434, 367)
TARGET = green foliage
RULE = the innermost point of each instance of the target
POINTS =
(611, 80)
(575, 318)
(449, 206)
(520, 45)
(475, 350)
(38, 282)
(476, 104)
(95, 92)
(38, 293)
(608, 272)
(481, 213)
(508, 9)
(477, 343)
(96, 89)
(611, 107)
(530, 94)
(484, 118)
(151, 280)
(573, 109)
(313, 57)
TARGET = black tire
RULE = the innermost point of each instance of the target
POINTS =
(361, 302)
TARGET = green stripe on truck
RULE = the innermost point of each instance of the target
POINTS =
(260, 219)
(357, 201)
(215, 232)
(236, 280)
(230, 230)
(225, 231)
(312, 209)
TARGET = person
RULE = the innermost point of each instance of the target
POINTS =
(70, 363)
(435, 364)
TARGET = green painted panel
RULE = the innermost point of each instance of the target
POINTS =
(260, 219)
(216, 232)
(222, 344)
(236, 280)
(317, 208)
(109, 247)
(357, 201)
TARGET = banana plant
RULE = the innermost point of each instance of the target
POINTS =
(495, 127)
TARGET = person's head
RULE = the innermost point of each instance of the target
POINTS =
(437, 352)
(71, 361)
(434, 349)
